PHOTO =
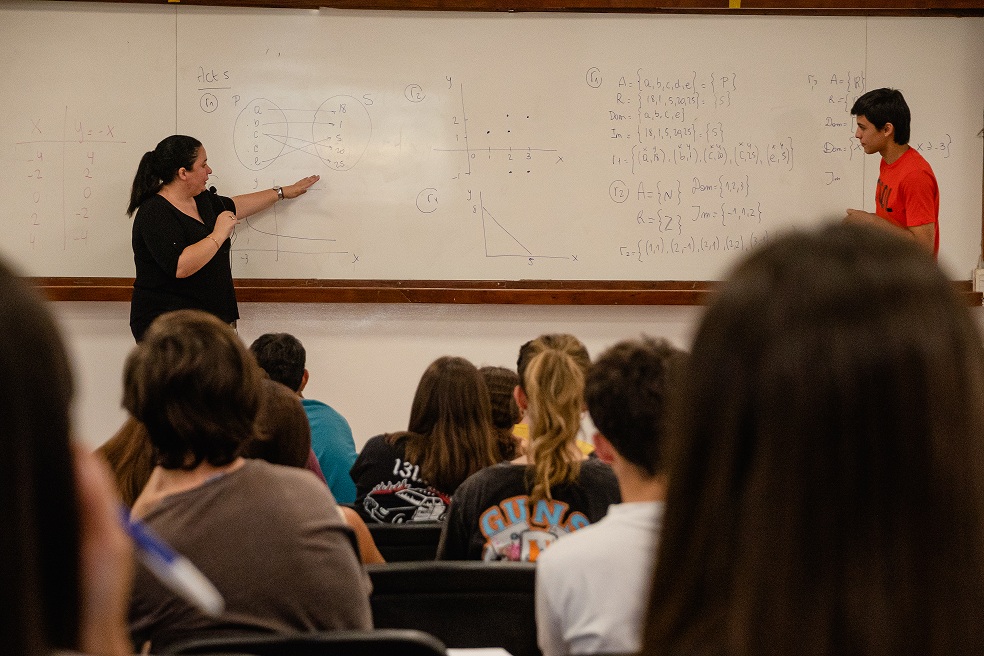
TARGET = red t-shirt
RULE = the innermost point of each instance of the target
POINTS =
(907, 193)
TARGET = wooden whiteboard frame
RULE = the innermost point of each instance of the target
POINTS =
(801, 7)
(542, 292)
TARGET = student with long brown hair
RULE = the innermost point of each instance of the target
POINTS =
(65, 562)
(130, 457)
(410, 476)
(826, 492)
(505, 412)
(514, 510)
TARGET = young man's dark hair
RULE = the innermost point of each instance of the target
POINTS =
(282, 356)
(881, 106)
(627, 391)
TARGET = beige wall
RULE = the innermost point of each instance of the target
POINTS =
(365, 360)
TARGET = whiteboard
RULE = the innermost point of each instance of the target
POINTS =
(470, 146)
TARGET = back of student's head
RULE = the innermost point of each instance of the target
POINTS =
(282, 356)
(881, 106)
(39, 538)
(195, 388)
(826, 490)
(564, 342)
(502, 383)
(450, 433)
(283, 432)
(627, 392)
(552, 370)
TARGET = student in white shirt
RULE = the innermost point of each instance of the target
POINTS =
(592, 586)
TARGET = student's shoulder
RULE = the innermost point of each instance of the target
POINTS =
(266, 472)
(578, 549)
(504, 474)
(152, 209)
(314, 405)
(289, 492)
(380, 444)
(595, 469)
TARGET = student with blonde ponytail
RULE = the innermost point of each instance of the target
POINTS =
(515, 510)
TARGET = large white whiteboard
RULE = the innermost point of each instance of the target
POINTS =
(474, 146)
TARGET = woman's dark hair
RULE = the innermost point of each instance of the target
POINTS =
(39, 541)
(450, 435)
(195, 387)
(131, 458)
(159, 167)
(502, 383)
(826, 479)
(283, 432)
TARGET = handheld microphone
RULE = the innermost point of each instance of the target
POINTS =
(226, 202)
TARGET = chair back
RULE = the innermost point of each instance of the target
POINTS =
(462, 603)
(403, 642)
(403, 542)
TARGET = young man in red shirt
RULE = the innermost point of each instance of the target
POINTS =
(907, 199)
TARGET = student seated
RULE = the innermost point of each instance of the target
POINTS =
(513, 511)
(283, 357)
(505, 412)
(65, 563)
(269, 537)
(283, 437)
(282, 434)
(592, 586)
(826, 472)
(410, 476)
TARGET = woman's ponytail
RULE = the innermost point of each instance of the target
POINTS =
(158, 167)
(145, 183)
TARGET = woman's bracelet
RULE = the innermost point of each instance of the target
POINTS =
(217, 246)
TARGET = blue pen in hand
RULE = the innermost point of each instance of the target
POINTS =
(172, 569)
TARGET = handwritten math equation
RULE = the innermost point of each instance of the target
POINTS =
(63, 160)
(651, 249)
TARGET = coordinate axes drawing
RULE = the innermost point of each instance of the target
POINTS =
(500, 241)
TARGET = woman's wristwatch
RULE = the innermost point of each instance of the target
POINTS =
(280, 192)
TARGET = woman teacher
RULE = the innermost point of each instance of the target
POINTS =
(181, 233)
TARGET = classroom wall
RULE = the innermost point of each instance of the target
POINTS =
(365, 359)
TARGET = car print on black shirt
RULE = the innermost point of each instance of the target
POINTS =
(402, 503)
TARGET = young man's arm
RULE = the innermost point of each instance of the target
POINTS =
(921, 234)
